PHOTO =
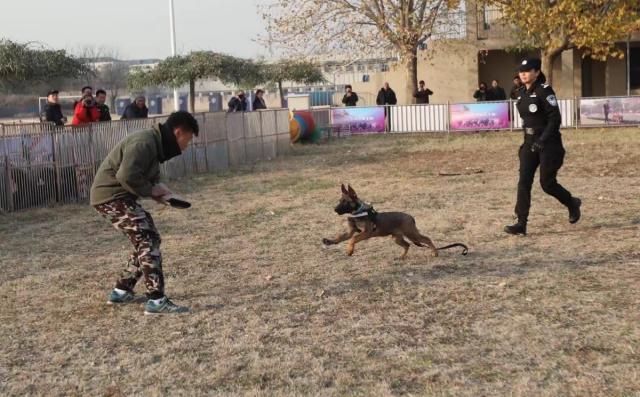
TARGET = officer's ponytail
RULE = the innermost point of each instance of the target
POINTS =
(542, 78)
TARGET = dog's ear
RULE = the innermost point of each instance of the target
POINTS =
(344, 190)
(352, 193)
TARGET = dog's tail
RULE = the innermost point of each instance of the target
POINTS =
(465, 249)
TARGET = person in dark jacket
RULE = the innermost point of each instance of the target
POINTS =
(386, 96)
(86, 111)
(350, 98)
(101, 99)
(52, 110)
(517, 83)
(422, 95)
(258, 102)
(542, 147)
(481, 93)
(136, 110)
(496, 93)
(238, 103)
(131, 171)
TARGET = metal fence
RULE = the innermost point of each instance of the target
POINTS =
(41, 164)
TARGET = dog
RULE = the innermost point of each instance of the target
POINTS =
(365, 222)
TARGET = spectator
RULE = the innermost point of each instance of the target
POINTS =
(517, 83)
(386, 96)
(481, 93)
(136, 110)
(238, 103)
(258, 102)
(350, 98)
(86, 90)
(52, 110)
(101, 98)
(422, 95)
(86, 111)
(496, 93)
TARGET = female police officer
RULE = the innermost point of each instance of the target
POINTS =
(538, 107)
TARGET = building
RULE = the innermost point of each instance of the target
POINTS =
(474, 49)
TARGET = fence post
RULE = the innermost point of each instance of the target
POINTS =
(206, 142)
(7, 192)
(262, 155)
(448, 120)
(512, 113)
(575, 111)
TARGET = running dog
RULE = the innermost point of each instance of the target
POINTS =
(365, 222)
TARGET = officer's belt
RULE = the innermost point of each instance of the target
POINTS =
(532, 131)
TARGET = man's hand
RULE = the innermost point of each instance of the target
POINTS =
(159, 191)
(537, 147)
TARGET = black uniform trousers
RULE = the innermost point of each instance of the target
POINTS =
(550, 160)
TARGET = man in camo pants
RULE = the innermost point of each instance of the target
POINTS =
(132, 170)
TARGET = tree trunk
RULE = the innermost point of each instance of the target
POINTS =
(548, 59)
(192, 96)
(282, 104)
(410, 62)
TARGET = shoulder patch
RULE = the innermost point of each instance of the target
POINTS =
(545, 85)
(552, 100)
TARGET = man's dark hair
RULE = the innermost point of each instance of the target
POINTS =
(259, 91)
(348, 86)
(183, 119)
(101, 91)
(86, 87)
(421, 82)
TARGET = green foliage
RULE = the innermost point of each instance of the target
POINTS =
(295, 71)
(23, 62)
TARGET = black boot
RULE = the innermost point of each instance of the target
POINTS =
(519, 228)
(574, 210)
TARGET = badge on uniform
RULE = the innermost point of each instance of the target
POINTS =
(552, 100)
(533, 108)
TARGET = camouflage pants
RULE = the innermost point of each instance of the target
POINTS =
(129, 217)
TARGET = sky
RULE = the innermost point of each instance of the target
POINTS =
(136, 29)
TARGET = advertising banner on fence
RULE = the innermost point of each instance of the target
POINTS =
(610, 111)
(359, 120)
(479, 116)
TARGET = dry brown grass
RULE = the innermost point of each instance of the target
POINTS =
(556, 313)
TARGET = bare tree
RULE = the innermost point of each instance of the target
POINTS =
(108, 71)
(352, 29)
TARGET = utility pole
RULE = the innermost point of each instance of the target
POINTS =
(172, 22)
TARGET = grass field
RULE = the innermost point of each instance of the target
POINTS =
(554, 314)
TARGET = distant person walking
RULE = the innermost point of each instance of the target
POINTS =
(606, 109)
(481, 93)
(386, 97)
(517, 83)
(422, 95)
(52, 110)
(350, 98)
(496, 93)
(238, 103)
(101, 99)
(86, 111)
(258, 102)
(136, 110)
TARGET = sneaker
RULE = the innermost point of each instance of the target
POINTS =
(117, 298)
(518, 228)
(574, 210)
(164, 307)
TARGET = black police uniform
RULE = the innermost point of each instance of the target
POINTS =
(538, 108)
